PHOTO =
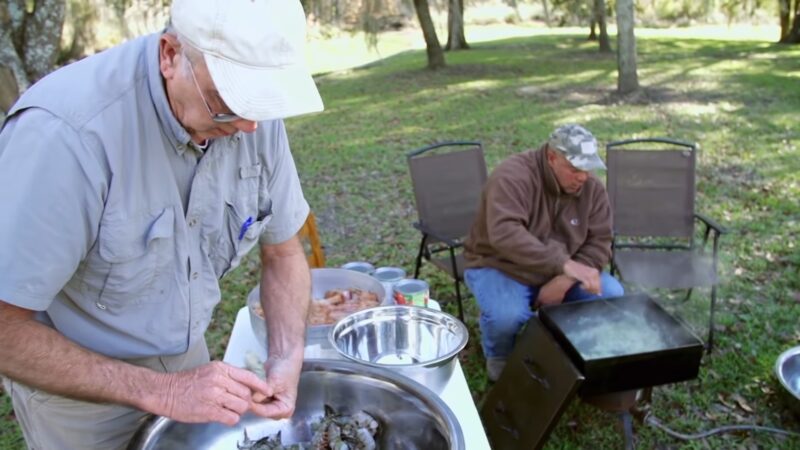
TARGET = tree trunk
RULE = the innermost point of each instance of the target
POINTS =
(546, 13)
(784, 9)
(600, 18)
(43, 37)
(434, 49)
(627, 81)
(29, 43)
(515, 5)
(794, 34)
(592, 26)
(455, 26)
(8, 91)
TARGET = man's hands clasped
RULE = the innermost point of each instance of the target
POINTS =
(219, 392)
(589, 277)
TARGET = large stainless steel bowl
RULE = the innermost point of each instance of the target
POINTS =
(322, 281)
(420, 343)
(787, 369)
(410, 416)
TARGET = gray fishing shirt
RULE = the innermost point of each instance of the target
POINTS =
(112, 224)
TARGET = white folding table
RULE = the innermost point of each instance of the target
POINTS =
(455, 394)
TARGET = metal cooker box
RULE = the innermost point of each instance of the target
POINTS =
(624, 343)
(586, 348)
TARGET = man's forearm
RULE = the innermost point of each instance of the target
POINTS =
(594, 253)
(285, 296)
(40, 357)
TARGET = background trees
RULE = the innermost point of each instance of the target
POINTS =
(37, 35)
(790, 21)
(628, 80)
(30, 39)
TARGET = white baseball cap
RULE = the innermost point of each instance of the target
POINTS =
(254, 50)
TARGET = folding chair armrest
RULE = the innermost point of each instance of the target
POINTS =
(427, 148)
(449, 242)
(711, 223)
(661, 140)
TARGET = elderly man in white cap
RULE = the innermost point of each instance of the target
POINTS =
(130, 182)
(541, 236)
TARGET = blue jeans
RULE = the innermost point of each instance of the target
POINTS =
(505, 305)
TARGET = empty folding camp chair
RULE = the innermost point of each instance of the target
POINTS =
(651, 186)
(447, 179)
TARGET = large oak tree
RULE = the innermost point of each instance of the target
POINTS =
(30, 37)
(628, 80)
(455, 26)
(432, 45)
(599, 19)
(790, 21)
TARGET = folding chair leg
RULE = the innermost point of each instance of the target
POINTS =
(458, 298)
(711, 319)
(419, 255)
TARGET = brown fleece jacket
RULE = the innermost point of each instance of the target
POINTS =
(528, 228)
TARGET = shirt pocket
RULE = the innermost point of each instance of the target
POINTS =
(138, 251)
(243, 223)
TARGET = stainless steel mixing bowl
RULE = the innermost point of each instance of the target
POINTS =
(322, 281)
(420, 343)
(409, 415)
(787, 369)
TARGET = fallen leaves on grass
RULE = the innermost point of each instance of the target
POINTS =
(742, 403)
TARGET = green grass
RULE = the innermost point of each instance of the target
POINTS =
(739, 99)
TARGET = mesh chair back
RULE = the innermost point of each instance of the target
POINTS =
(652, 190)
(447, 187)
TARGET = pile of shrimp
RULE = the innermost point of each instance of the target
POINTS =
(339, 303)
(332, 431)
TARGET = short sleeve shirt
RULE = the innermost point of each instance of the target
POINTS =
(112, 224)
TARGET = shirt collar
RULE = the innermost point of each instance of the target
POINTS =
(173, 130)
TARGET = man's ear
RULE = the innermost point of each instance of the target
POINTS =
(551, 156)
(168, 51)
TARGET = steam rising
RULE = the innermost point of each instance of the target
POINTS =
(611, 329)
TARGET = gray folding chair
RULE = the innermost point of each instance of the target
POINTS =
(651, 186)
(447, 179)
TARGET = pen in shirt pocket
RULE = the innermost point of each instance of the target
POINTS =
(245, 225)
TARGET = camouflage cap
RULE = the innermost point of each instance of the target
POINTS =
(578, 145)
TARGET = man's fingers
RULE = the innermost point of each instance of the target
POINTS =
(258, 397)
(235, 404)
(273, 410)
(252, 381)
(225, 416)
(238, 389)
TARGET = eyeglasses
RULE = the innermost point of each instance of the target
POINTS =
(216, 117)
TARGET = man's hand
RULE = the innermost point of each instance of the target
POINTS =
(215, 392)
(589, 277)
(552, 292)
(283, 375)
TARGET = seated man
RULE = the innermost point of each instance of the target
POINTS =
(541, 235)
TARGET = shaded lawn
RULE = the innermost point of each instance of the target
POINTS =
(739, 100)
